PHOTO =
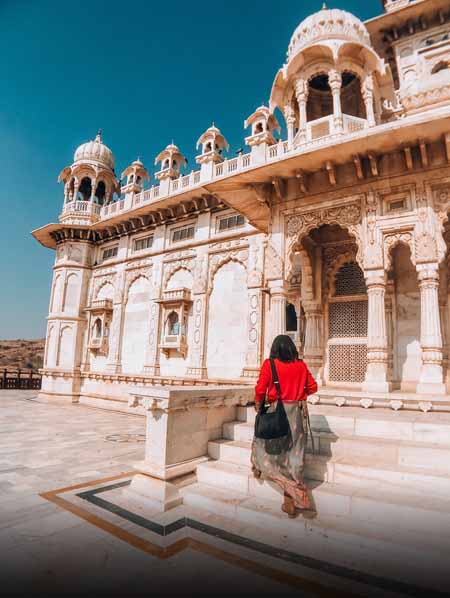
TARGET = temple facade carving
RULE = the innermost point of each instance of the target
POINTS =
(337, 235)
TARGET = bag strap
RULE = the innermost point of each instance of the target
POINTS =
(275, 379)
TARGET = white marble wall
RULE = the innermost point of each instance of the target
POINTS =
(227, 318)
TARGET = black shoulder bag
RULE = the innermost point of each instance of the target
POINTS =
(274, 424)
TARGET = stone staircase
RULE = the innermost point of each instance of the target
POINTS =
(380, 482)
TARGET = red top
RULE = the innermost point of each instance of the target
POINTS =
(296, 382)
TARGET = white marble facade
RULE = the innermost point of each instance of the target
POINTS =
(338, 234)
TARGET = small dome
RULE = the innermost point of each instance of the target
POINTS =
(328, 24)
(95, 151)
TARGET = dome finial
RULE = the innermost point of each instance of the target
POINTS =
(324, 6)
(99, 136)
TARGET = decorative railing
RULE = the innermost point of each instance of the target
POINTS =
(352, 124)
(20, 379)
(318, 132)
(86, 207)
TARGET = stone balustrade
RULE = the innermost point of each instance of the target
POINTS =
(318, 132)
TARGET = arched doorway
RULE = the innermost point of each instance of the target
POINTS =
(334, 306)
(347, 326)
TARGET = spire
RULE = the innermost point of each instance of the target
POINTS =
(324, 6)
(99, 136)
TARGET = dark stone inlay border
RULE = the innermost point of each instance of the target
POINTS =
(278, 553)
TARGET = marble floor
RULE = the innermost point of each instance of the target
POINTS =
(48, 548)
(70, 526)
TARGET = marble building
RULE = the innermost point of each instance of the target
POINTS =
(332, 226)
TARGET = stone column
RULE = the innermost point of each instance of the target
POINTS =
(367, 94)
(75, 191)
(313, 348)
(377, 341)
(197, 367)
(93, 188)
(389, 307)
(301, 93)
(197, 361)
(278, 296)
(152, 353)
(114, 364)
(254, 330)
(290, 122)
(335, 81)
(431, 374)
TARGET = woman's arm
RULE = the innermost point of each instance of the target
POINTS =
(265, 376)
(310, 384)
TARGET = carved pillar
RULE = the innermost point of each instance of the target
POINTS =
(335, 81)
(197, 362)
(114, 364)
(278, 296)
(377, 340)
(301, 93)
(367, 94)
(290, 122)
(389, 307)
(254, 328)
(75, 191)
(313, 348)
(431, 374)
(93, 188)
(197, 367)
(152, 353)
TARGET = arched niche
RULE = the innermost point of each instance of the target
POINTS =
(85, 189)
(136, 323)
(72, 292)
(65, 355)
(405, 299)
(56, 295)
(227, 316)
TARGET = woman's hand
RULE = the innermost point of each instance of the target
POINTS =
(256, 405)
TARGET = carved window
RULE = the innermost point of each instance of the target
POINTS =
(173, 324)
(110, 252)
(348, 319)
(350, 280)
(98, 328)
(143, 243)
(230, 222)
(183, 234)
(348, 363)
(396, 205)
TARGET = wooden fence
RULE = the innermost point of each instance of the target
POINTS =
(20, 379)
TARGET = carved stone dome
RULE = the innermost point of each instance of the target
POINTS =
(95, 151)
(328, 24)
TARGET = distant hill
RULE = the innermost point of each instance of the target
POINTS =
(22, 354)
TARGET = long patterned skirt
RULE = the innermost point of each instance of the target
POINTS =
(281, 460)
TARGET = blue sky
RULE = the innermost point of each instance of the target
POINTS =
(146, 73)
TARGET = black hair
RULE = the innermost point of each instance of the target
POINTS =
(283, 348)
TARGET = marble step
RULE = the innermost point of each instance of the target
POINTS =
(356, 471)
(413, 426)
(395, 452)
(384, 512)
(398, 538)
(377, 567)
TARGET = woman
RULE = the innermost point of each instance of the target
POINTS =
(281, 460)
